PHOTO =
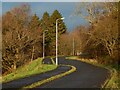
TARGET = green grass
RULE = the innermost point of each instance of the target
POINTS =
(113, 81)
(34, 67)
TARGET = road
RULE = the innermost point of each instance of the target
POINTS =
(86, 76)
(19, 83)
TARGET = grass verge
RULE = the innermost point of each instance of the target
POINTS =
(51, 78)
(113, 80)
(34, 67)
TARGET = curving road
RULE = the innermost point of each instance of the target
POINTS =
(19, 83)
(86, 76)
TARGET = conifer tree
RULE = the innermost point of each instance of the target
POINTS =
(52, 33)
(44, 23)
(34, 23)
(61, 25)
(36, 35)
(49, 23)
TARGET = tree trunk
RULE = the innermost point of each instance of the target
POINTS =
(14, 65)
(33, 49)
(16, 59)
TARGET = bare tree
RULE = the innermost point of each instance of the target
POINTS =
(65, 44)
(103, 19)
(106, 33)
(15, 36)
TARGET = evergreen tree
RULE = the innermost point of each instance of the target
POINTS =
(45, 21)
(45, 25)
(34, 23)
(49, 23)
(36, 35)
(61, 25)
(52, 33)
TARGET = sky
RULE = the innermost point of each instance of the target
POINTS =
(65, 8)
(59, 0)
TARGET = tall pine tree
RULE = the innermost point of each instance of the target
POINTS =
(44, 23)
(61, 25)
(34, 23)
(49, 23)
(36, 35)
(61, 29)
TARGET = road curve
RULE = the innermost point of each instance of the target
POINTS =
(19, 83)
(86, 76)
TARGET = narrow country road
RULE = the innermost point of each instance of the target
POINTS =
(86, 76)
(19, 83)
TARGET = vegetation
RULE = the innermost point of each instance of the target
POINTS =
(100, 40)
(112, 81)
(32, 68)
(51, 78)
(49, 23)
(22, 36)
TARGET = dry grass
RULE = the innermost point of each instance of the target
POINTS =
(112, 82)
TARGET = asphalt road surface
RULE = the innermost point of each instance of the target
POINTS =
(19, 83)
(86, 76)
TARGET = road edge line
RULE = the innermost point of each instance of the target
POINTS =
(33, 85)
(112, 72)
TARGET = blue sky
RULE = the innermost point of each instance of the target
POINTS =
(65, 8)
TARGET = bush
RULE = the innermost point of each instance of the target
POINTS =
(105, 60)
